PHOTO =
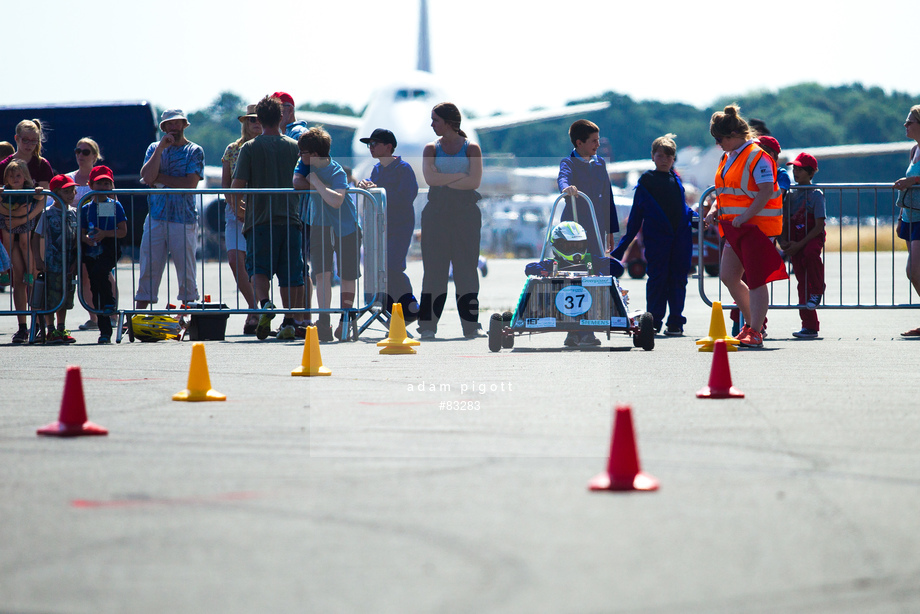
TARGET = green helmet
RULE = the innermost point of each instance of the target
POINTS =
(155, 328)
(570, 243)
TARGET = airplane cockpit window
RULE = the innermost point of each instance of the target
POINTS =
(410, 94)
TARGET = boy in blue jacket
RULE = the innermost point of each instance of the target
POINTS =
(584, 171)
(660, 209)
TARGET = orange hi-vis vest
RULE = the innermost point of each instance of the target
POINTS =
(737, 190)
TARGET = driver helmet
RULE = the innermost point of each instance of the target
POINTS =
(570, 243)
(155, 328)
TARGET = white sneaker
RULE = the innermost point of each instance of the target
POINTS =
(287, 332)
(813, 301)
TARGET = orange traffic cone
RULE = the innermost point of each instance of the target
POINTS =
(72, 421)
(623, 471)
(720, 377)
(717, 331)
(199, 381)
(397, 342)
(312, 363)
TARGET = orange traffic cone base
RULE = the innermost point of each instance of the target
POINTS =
(641, 481)
(59, 429)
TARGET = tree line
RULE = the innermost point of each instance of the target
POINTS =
(799, 116)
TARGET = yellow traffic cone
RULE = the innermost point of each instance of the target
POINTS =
(397, 342)
(199, 382)
(312, 363)
(717, 331)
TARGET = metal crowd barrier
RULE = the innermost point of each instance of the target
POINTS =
(36, 288)
(873, 272)
(217, 290)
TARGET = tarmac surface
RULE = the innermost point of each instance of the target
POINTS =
(372, 490)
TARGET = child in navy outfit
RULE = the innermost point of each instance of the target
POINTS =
(660, 209)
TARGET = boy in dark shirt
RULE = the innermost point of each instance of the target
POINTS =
(660, 209)
(102, 223)
(395, 175)
(584, 171)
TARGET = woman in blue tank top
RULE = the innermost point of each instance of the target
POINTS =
(451, 223)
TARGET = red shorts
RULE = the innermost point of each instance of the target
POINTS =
(762, 263)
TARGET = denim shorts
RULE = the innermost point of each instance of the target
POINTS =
(909, 231)
(275, 250)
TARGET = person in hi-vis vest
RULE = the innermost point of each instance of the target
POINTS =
(749, 208)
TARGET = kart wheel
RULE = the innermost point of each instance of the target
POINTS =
(646, 337)
(507, 339)
(495, 332)
(636, 269)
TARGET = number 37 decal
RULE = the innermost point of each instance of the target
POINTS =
(573, 301)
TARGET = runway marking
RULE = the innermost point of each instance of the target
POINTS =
(149, 502)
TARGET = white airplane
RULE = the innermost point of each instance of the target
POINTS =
(404, 107)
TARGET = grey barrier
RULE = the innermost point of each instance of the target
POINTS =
(217, 295)
(872, 270)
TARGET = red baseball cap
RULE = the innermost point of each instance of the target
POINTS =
(101, 172)
(284, 97)
(770, 142)
(805, 160)
(60, 182)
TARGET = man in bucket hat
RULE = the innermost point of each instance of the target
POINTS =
(171, 226)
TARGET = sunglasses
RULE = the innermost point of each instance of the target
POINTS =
(253, 120)
(85, 152)
(372, 144)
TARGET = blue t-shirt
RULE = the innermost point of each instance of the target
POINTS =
(398, 179)
(104, 217)
(343, 220)
(176, 162)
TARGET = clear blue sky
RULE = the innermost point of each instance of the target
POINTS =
(504, 55)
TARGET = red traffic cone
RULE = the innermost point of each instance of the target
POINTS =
(623, 471)
(720, 377)
(72, 420)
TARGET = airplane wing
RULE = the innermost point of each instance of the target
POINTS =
(498, 122)
(330, 119)
(849, 151)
